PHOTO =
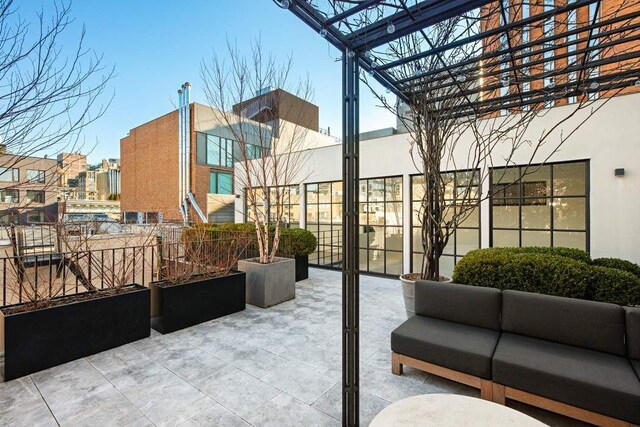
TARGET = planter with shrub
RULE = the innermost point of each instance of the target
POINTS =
(40, 336)
(199, 283)
(298, 243)
(553, 271)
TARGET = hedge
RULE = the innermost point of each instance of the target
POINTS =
(529, 272)
(620, 264)
(614, 285)
(293, 241)
(576, 254)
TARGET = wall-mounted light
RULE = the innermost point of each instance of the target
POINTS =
(619, 172)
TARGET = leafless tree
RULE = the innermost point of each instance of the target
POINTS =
(49, 91)
(270, 144)
(458, 117)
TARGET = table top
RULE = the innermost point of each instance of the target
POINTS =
(450, 410)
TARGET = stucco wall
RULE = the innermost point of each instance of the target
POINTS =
(609, 140)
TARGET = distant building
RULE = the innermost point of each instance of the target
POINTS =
(70, 165)
(100, 182)
(28, 189)
(108, 180)
(150, 156)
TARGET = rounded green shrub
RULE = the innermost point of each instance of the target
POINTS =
(530, 272)
(613, 285)
(297, 241)
(576, 254)
(619, 264)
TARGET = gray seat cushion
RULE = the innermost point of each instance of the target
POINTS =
(636, 367)
(455, 346)
(588, 324)
(633, 331)
(470, 305)
(593, 380)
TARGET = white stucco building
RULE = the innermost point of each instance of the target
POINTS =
(578, 198)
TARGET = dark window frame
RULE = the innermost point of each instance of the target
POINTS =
(550, 197)
(335, 230)
(41, 176)
(217, 189)
(456, 257)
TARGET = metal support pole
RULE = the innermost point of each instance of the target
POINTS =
(350, 265)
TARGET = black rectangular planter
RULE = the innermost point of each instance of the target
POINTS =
(302, 267)
(185, 305)
(40, 339)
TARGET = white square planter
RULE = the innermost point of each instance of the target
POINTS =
(269, 284)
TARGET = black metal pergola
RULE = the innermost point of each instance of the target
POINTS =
(516, 55)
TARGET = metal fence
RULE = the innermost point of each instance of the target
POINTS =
(39, 270)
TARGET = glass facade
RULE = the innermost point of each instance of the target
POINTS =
(460, 188)
(380, 215)
(214, 150)
(540, 205)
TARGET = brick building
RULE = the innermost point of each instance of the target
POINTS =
(28, 189)
(150, 157)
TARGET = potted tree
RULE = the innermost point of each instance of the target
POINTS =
(199, 281)
(74, 301)
(299, 244)
(269, 155)
(455, 142)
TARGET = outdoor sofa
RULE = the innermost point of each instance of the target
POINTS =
(574, 357)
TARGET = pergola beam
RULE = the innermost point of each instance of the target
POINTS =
(415, 18)
(488, 33)
(351, 11)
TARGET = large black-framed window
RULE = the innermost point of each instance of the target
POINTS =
(380, 211)
(290, 215)
(460, 186)
(541, 205)
(324, 220)
(380, 240)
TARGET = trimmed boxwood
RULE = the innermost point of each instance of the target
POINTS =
(576, 254)
(297, 241)
(552, 271)
(620, 264)
(614, 285)
(530, 272)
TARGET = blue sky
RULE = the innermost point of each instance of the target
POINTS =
(156, 45)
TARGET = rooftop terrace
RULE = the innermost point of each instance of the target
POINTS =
(264, 367)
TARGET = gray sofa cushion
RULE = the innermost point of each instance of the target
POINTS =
(596, 381)
(455, 346)
(636, 367)
(588, 324)
(470, 305)
(633, 331)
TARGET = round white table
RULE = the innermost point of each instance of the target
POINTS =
(450, 410)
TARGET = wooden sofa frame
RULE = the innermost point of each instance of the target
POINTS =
(498, 393)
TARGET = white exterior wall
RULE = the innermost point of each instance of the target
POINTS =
(610, 139)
